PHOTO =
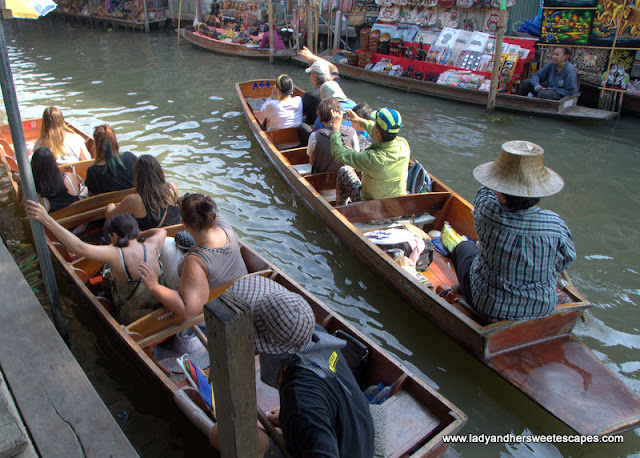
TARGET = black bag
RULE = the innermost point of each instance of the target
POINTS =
(355, 353)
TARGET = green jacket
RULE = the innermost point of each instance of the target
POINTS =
(384, 165)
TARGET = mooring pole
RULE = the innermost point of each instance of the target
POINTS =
(231, 351)
(28, 186)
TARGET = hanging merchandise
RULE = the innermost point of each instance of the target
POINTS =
(464, 3)
(389, 13)
(430, 3)
(449, 17)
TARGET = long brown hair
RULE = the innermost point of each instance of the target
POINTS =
(107, 148)
(53, 130)
(156, 193)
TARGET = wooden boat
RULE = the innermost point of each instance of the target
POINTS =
(419, 416)
(31, 128)
(541, 357)
(231, 49)
(566, 107)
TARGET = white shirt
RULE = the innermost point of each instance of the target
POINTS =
(283, 113)
(72, 147)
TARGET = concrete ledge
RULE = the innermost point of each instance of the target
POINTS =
(59, 406)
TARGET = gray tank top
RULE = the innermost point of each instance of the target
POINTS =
(224, 264)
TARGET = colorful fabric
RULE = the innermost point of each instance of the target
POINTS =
(519, 252)
(199, 380)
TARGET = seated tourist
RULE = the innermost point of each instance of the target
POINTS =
(383, 164)
(154, 203)
(333, 89)
(319, 147)
(280, 109)
(55, 190)
(511, 273)
(319, 73)
(66, 145)
(555, 80)
(322, 410)
(130, 297)
(364, 111)
(111, 171)
(213, 261)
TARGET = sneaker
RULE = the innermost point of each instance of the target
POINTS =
(530, 94)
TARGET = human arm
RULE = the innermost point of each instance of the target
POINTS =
(570, 81)
(566, 251)
(103, 253)
(311, 58)
(539, 79)
(131, 204)
(193, 289)
(311, 147)
(154, 236)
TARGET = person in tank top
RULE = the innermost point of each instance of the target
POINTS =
(214, 260)
(154, 204)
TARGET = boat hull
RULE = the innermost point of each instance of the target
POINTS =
(566, 108)
(486, 341)
(231, 49)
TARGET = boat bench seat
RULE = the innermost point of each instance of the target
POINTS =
(328, 194)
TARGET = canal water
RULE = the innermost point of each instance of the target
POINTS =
(178, 103)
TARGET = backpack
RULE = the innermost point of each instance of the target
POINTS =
(418, 180)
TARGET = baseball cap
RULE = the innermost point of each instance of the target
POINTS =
(319, 67)
(388, 120)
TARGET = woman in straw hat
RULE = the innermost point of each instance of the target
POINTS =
(511, 273)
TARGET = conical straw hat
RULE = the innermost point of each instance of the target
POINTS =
(519, 171)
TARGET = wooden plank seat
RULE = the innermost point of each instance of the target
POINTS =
(296, 156)
(328, 194)
(162, 323)
(79, 168)
(88, 209)
(284, 139)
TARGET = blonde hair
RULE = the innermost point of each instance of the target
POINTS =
(54, 128)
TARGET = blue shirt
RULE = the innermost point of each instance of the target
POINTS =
(564, 82)
(519, 252)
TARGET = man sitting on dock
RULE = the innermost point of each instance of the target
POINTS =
(322, 410)
(511, 273)
(384, 164)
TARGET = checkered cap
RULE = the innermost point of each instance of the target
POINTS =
(283, 321)
(388, 120)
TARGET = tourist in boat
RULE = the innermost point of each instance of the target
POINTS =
(154, 204)
(281, 109)
(555, 80)
(511, 273)
(333, 89)
(55, 189)
(319, 147)
(364, 111)
(322, 410)
(312, 59)
(384, 164)
(129, 247)
(55, 134)
(213, 261)
(319, 73)
(111, 171)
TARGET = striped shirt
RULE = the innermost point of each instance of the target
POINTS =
(519, 252)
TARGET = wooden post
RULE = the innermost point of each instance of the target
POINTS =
(271, 31)
(310, 12)
(179, 17)
(497, 56)
(231, 350)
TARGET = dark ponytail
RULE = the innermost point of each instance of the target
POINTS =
(125, 226)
